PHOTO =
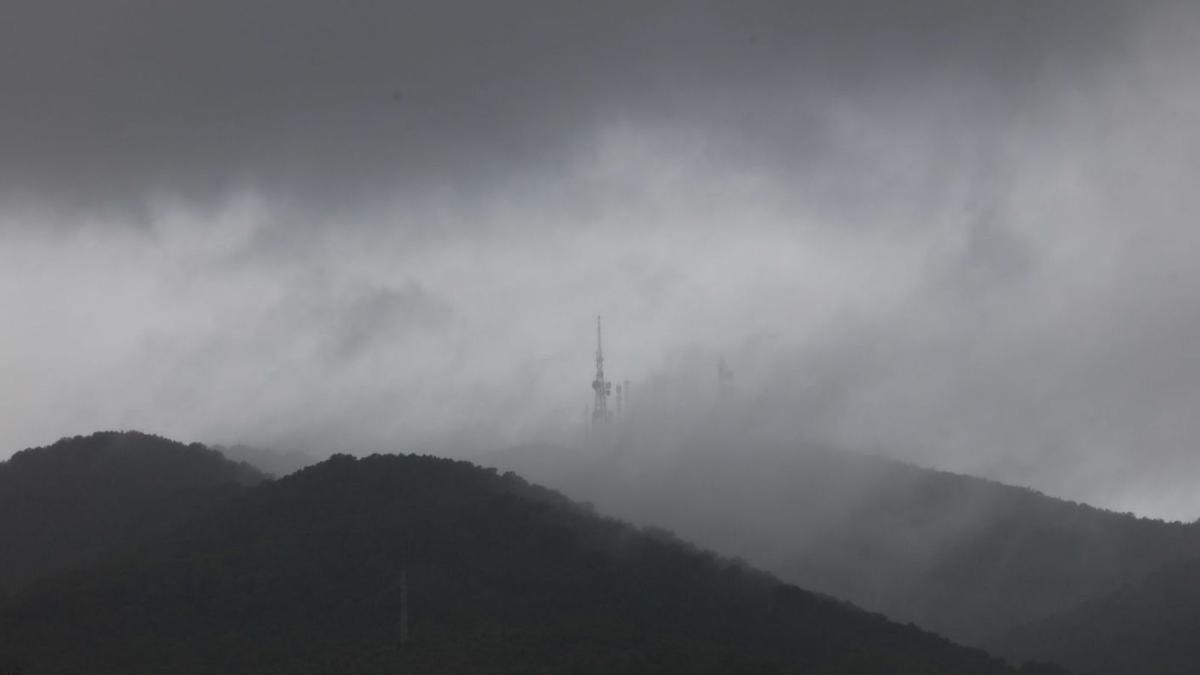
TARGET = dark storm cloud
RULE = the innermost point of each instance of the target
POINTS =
(115, 103)
(957, 232)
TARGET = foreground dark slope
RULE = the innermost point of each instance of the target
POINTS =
(1145, 627)
(85, 498)
(303, 575)
(961, 556)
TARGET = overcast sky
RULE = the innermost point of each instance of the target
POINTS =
(957, 233)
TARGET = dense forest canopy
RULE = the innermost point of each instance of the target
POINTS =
(87, 497)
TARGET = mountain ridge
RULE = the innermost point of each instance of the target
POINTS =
(967, 557)
(84, 498)
(301, 573)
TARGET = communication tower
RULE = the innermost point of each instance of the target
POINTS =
(601, 386)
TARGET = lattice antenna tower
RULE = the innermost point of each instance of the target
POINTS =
(600, 386)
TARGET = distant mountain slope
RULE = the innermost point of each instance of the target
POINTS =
(1145, 627)
(275, 463)
(970, 558)
(304, 576)
(965, 557)
(85, 498)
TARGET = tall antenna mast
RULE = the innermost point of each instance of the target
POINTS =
(600, 386)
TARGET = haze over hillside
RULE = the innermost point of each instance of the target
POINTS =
(307, 573)
(1000, 567)
(965, 557)
(276, 463)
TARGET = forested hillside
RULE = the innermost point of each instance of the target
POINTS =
(304, 575)
(1148, 626)
(965, 557)
(85, 498)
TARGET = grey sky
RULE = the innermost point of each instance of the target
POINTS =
(954, 232)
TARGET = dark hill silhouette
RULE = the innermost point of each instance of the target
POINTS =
(302, 575)
(962, 556)
(85, 498)
(1145, 627)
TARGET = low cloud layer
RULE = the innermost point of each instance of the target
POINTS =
(954, 233)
